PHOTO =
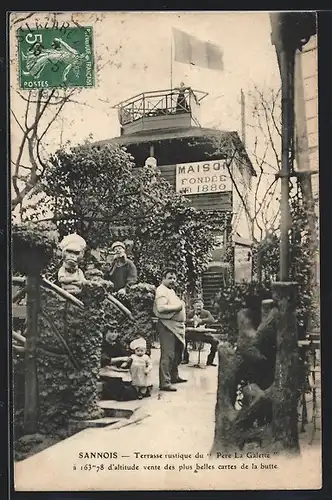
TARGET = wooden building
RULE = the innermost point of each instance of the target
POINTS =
(201, 163)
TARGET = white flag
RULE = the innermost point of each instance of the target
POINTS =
(190, 50)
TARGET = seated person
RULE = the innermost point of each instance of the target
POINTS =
(113, 351)
(114, 355)
(199, 316)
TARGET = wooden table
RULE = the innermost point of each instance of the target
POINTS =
(198, 334)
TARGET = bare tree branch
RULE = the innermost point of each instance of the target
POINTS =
(24, 167)
(32, 139)
(268, 126)
(17, 120)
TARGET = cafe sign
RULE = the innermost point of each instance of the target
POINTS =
(203, 177)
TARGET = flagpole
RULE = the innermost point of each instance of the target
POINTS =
(171, 59)
(243, 118)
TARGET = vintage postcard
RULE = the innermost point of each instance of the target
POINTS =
(165, 272)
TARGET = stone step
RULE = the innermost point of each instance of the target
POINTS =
(79, 425)
(119, 409)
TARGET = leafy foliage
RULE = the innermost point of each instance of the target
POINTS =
(33, 246)
(95, 190)
(139, 299)
(67, 385)
(266, 254)
(180, 236)
(302, 258)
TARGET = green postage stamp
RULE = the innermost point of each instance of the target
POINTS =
(56, 57)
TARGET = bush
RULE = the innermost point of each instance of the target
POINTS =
(33, 246)
(139, 300)
(96, 190)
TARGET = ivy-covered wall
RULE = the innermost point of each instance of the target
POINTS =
(68, 360)
(69, 352)
(139, 300)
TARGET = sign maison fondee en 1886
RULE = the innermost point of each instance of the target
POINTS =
(203, 177)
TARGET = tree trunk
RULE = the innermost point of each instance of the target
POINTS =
(31, 384)
(259, 266)
(286, 383)
(225, 412)
(269, 405)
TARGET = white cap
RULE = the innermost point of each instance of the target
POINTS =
(138, 343)
(74, 242)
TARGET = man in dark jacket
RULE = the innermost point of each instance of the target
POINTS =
(199, 316)
(123, 272)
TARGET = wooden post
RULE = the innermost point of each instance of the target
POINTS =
(31, 382)
(287, 59)
(286, 381)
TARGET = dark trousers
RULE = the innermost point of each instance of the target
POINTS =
(213, 349)
(170, 355)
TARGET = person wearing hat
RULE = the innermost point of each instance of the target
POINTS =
(140, 368)
(123, 272)
(198, 316)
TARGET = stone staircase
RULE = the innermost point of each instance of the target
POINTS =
(116, 401)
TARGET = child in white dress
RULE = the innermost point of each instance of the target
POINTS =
(140, 366)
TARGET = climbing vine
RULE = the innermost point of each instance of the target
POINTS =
(266, 257)
(68, 359)
(33, 246)
(139, 299)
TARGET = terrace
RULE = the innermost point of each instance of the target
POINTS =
(155, 110)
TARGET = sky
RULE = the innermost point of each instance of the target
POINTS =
(143, 63)
(133, 55)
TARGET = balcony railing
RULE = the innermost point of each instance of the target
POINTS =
(160, 103)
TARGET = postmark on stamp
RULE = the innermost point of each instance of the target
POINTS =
(56, 57)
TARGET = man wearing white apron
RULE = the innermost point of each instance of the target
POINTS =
(171, 313)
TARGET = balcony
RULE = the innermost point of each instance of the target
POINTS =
(161, 109)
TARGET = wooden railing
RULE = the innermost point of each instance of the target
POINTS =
(163, 102)
(48, 285)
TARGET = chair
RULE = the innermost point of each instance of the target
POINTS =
(315, 383)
